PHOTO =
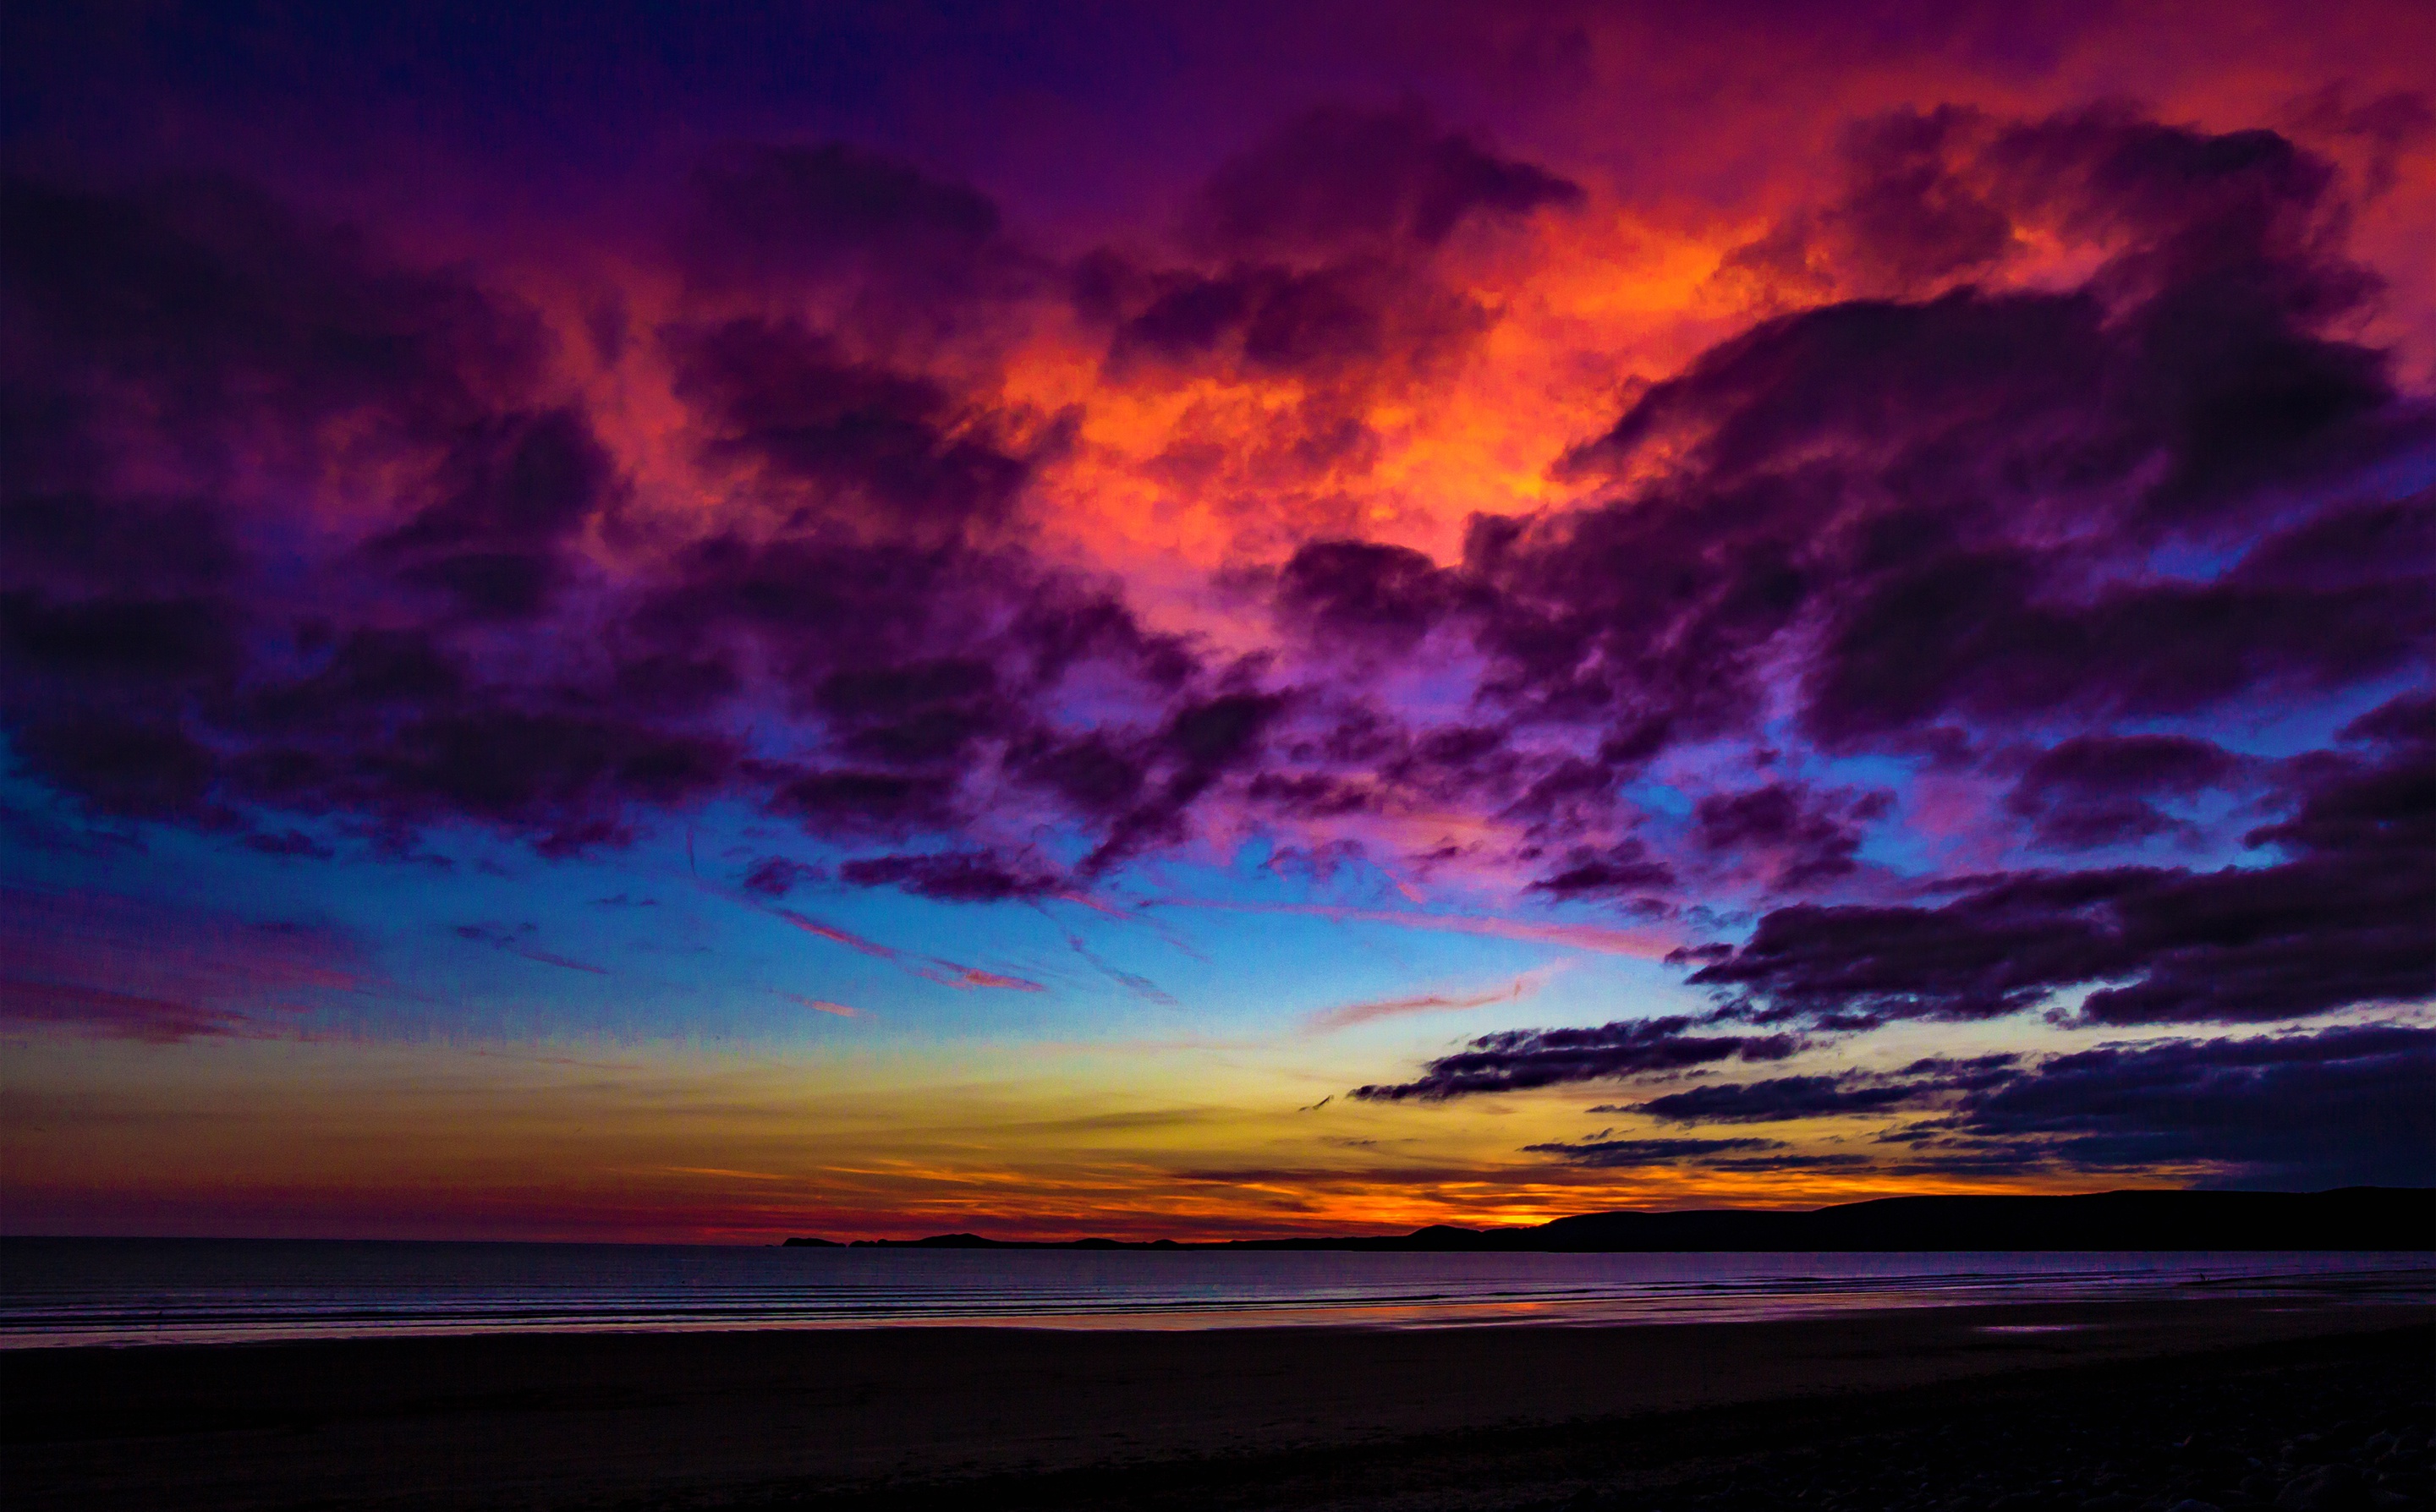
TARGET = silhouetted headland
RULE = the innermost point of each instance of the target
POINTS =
(2350, 1218)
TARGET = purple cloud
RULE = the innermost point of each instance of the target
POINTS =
(1518, 1059)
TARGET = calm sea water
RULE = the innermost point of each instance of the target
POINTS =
(70, 1291)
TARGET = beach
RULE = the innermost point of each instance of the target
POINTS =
(1492, 1417)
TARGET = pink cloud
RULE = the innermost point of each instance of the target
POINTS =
(116, 1014)
(824, 1006)
(931, 968)
(1428, 1003)
(126, 967)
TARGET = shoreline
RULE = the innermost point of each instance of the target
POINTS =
(629, 1418)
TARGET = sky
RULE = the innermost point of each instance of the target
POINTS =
(705, 623)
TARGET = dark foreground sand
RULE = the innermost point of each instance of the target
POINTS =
(1924, 1408)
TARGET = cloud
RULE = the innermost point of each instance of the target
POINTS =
(763, 214)
(1798, 837)
(2062, 456)
(517, 940)
(183, 680)
(1518, 1059)
(1782, 1098)
(2334, 1107)
(893, 451)
(1942, 508)
(949, 974)
(777, 876)
(1625, 867)
(511, 493)
(1200, 743)
(118, 1014)
(1140, 986)
(1632, 1154)
(965, 877)
(2340, 1105)
(2339, 924)
(2093, 791)
(126, 967)
(1390, 595)
(221, 305)
(830, 932)
(931, 968)
(825, 1006)
(497, 630)
(1338, 177)
(1351, 1014)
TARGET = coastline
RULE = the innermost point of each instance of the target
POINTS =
(814, 1416)
(2344, 1218)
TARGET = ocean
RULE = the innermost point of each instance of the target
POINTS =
(58, 1291)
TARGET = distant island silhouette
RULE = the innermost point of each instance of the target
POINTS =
(2350, 1218)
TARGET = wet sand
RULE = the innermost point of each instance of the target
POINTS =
(1009, 1417)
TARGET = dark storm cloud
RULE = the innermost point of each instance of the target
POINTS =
(1625, 868)
(504, 649)
(1340, 176)
(921, 713)
(1959, 496)
(1800, 838)
(1202, 741)
(1091, 772)
(777, 876)
(2225, 249)
(926, 665)
(157, 668)
(562, 777)
(1521, 1058)
(2340, 1105)
(1634, 1153)
(2012, 534)
(2341, 922)
(126, 545)
(964, 877)
(511, 495)
(2337, 1107)
(1781, 1098)
(1351, 325)
(846, 804)
(214, 301)
(1969, 633)
(1943, 515)
(893, 446)
(1312, 265)
(1905, 221)
(1790, 1162)
(2095, 790)
(763, 213)
(1387, 594)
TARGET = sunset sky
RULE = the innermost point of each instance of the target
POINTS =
(1201, 621)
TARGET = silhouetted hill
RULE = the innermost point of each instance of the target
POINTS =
(2351, 1218)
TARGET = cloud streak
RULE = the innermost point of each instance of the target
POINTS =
(931, 968)
(1351, 1014)
(1522, 1059)
(134, 968)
